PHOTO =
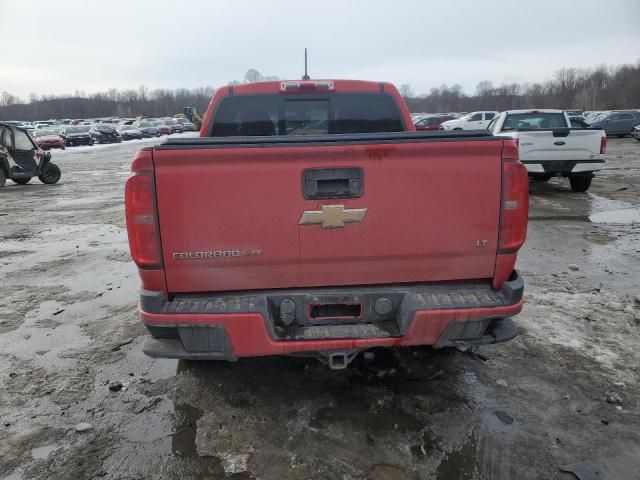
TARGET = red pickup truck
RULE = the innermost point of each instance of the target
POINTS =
(310, 217)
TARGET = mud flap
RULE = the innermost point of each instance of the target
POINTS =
(482, 331)
(195, 343)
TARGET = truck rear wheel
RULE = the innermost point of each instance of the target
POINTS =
(3, 177)
(580, 183)
(50, 174)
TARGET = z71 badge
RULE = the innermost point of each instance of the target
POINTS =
(206, 254)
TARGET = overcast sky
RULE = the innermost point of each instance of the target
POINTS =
(62, 46)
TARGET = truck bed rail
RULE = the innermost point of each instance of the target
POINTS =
(330, 139)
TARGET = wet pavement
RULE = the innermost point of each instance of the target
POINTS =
(564, 392)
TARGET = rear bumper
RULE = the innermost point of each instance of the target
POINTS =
(230, 326)
(563, 167)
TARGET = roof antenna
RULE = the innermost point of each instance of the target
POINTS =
(306, 76)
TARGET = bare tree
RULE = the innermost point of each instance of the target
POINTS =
(252, 76)
(406, 91)
(143, 91)
(7, 98)
(484, 87)
(601, 88)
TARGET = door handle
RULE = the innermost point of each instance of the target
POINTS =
(328, 183)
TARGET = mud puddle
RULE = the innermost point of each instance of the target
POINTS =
(609, 211)
(42, 452)
(183, 443)
(459, 464)
(623, 216)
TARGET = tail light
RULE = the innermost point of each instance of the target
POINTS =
(514, 209)
(140, 209)
(603, 144)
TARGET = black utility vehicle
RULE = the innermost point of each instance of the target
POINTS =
(21, 159)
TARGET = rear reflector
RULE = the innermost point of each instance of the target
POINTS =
(603, 144)
(140, 209)
(514, 210)
(293, 86)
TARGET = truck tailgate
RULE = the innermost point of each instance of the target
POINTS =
(235, 217)
(578, 144)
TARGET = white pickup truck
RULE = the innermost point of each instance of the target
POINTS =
(549, 147)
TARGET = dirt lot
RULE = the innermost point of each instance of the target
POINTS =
(566, 391)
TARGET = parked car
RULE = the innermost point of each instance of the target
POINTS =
(147, 128)
(618, 123)
(187, 126)
(162, 127)
(432, 122)
(74, 135)
(635, 133)
(319, 268)
(471, 121)
(578, 122)
(173, 125)
(129, 132)
(550, 147)
(105, 133)
(48, 138)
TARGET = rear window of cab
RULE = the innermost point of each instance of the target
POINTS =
(306, 114)
(534, 120)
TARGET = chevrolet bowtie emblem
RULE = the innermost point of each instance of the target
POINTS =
(332, 216)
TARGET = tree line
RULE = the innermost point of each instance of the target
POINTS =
(118, 103)
(113, 103)
(599, 88)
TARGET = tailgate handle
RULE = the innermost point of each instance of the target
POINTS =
(325, 183)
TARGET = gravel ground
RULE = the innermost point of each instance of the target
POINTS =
(79, 400)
